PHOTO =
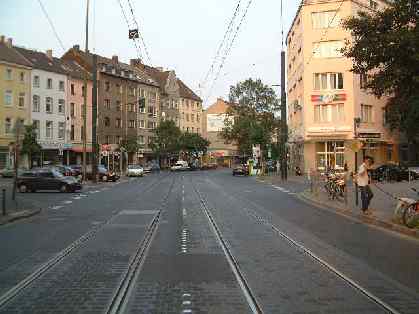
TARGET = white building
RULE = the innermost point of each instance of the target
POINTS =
(48, 102)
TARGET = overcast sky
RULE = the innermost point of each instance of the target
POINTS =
(182, 35)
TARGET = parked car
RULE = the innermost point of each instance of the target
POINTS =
(210, 166)
(66, 170)
(241, 170)
(135, 171)
(104, 174)
(77, 169)
(46, 179)
(391, 172)
(414, 172)
(180, 165)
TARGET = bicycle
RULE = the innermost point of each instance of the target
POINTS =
(410, 211)
(335, 186)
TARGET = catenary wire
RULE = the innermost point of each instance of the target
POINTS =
(141, 36)
(51, 24)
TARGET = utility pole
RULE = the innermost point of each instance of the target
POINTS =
(85, 97)
(94, 120)
(284, 128)
(16, 157)
(357, 121)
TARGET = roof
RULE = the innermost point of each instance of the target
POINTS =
(106, 65)
(157, 75)
(75, 70)
(41, 61)
(219, 107)
(12, 56)
(186, 92)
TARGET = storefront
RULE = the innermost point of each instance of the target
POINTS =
(330, 155)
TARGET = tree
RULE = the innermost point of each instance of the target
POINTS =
(30, 146)
(193, 143)
(130, 144)
(166, 139)
(250, 117)
(385, 47)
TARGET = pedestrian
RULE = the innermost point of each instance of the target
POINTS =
(363, 181)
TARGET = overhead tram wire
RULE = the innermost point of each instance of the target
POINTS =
(228, 51)
(222, 44)
(326, 30)
(140, 34)
(139, 52)
(52, 25)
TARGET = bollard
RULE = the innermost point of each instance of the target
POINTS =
(4, 201)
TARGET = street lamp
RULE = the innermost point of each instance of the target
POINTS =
(357, 122)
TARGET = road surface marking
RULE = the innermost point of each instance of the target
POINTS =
(67, 202)
(56, 207)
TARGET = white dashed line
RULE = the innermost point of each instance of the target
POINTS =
(186, 303)
(76, 197)
(56, 207)
(67, 202)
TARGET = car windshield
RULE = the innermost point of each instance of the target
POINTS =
(57, 173)
(134, 167)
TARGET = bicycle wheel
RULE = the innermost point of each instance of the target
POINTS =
(408, 215)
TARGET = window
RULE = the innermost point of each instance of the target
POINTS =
(118, 139)
(8, 98)
(107, 103)
(326, 19)
(72, 89)
(49, 83)
(329, 113)
(118, 123)
(72, 114)
(142, 124)
(131, 91)
(197, 130)
(118, 88)
(131, 107)
(107, 86)
(8, 126)
(118, 106)
(36, 126)
(192, 117)
(187, 117)
(21, 102)
(36, 81)
(366, 113)
(151, 125)
(151, 111)
(150, 140)
(328, 81)
(9, 76)
(141, 139)
(363, 80)
(131, 124)
(108, 139)
(48, 129)
(385, 116)
(187, 129)
(61, 106)
(22, 77)
(107, 122)
(48, 105)
(121, 89)
(61, 130)
(82, 133)
(142, 108)
(36, 103)
(373, 5)
(198, 118)
(330, 155)
(328, 49)
(61, 86)
(72, 132)
(82, 91)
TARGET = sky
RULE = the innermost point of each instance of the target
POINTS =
(180, 35)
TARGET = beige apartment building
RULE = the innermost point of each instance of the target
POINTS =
(325, 97)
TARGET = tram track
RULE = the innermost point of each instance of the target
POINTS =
(65, 253)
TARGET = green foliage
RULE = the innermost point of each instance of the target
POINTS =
(166, 139)
(385, 46)
(252, 104)
(131, 145)
(29, 145)
(193, 143)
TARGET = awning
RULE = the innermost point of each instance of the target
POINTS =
(79, 149)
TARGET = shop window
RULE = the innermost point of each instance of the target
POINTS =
(330, 155)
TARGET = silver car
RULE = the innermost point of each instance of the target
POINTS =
(135, 171)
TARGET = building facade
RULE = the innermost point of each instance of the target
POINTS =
(325, 98)
(190, 110)
(219, 151)
(15, 90)
(48, 103)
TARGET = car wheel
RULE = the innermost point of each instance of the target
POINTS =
(23, 188)
(64, 188)
(105, 178)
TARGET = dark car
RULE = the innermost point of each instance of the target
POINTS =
(46, 179)
(104, 174)
(241, 170)
(66, 170)
(391, 172)
(77, 169)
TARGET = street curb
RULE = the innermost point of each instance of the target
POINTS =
(19, 215)
(360, 218)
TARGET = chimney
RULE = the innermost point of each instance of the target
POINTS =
(76, 47)
(49, 53)
(115, 59)
(2, 39)
(10, 42)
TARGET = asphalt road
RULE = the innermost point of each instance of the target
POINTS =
(200, 242)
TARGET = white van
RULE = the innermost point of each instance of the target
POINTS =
(180, 165)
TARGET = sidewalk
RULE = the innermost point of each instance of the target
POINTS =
(382, 205)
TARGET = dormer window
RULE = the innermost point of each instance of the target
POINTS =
(122, 73)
